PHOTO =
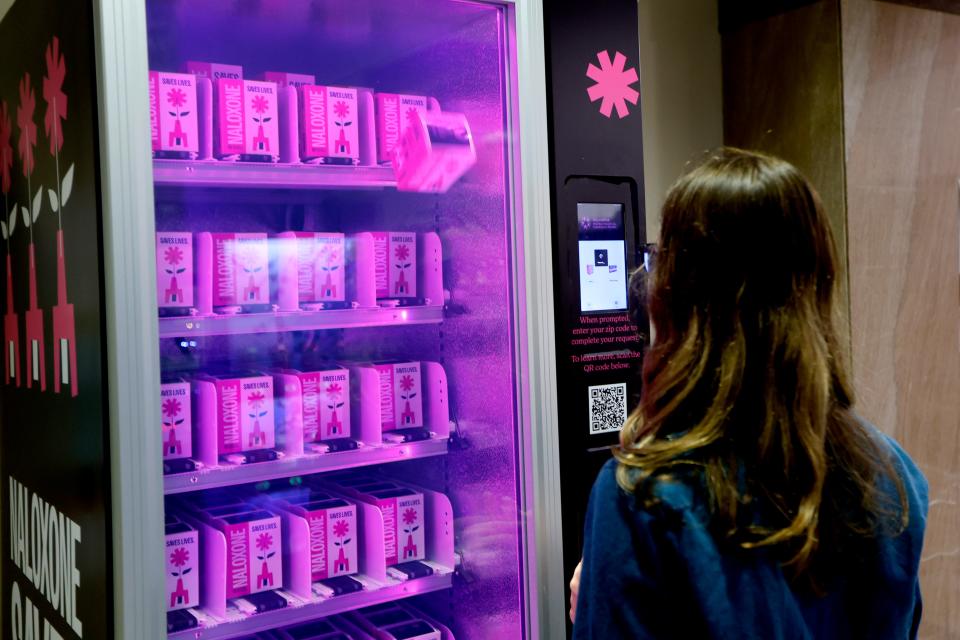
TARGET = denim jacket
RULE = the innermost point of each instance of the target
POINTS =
(659, 573)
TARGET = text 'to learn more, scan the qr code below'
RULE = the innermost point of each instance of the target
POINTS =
(608, 407)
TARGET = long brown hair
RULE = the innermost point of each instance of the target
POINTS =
(747, 377)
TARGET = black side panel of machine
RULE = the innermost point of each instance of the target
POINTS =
(599, 226)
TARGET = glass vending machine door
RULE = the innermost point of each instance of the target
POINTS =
(337, 261)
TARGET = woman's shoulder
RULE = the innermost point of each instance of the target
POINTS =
(680, 492)
(914, 482)
(908, 469)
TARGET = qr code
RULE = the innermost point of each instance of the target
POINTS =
(608, 407)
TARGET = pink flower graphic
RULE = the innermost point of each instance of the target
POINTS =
(341, 109)
(28, 128)
(54, 96)
(264, 541)
(412, 114)
(176, 97)
(256, 399)
(334, 389)
(333, 256)
(341, 528)
(406, 383)
(6, 149)
(402, 252)
(250, 259)
(260, 104)
(179, 557)
(409, 516)
(171, 407)
(173, 255)
(612, 84)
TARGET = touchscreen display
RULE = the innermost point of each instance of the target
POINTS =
(603, 265)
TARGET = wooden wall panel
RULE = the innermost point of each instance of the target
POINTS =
(782, 94)
(902, 119)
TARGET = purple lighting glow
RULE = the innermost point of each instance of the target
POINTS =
(454, 53)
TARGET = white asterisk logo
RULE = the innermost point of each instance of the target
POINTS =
(612, 84)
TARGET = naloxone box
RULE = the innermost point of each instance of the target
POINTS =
(245, 413)
(395, 112)
(245, 122)
(183, 562)
(402, 509)
(175, 271)
(238, 269)
(326, 404)
(254, 558)
(175, 415)
(173, 115)
(321, 266)
(401, 395)
(329, 124)
(333, 536)
(395, 264)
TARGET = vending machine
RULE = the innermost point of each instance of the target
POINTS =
(349, 249)
(306, 380)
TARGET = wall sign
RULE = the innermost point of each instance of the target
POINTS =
(598, 227)
(53, 441)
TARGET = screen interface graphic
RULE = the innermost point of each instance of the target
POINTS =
(602, 249)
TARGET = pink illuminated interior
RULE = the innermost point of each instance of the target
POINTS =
(462, 321)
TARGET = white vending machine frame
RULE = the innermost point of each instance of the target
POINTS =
(132, 334)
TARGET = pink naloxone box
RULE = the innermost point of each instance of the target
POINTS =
(173, 114)
(245, 413)
(333, 536)
(240, 269)
(403, 523)
(395, 264)
(254, 558)
(183, 575)
(401, 395)
(174, 270)
(321, 272)
(175, 410)
(329, 126)
(245, 119)
(394, 113)
(326, 404)
(434, 152)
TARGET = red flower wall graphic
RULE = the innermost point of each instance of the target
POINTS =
(64, 326)
(613, 84)
(11, 323)
(54, 96)
(36, 355)
(28, 128)
(6, 149)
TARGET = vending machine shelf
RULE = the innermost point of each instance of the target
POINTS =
(267, 175)
(249, 323)
(303, 611)
(228, 475)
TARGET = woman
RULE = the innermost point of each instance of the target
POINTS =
(746, 498)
